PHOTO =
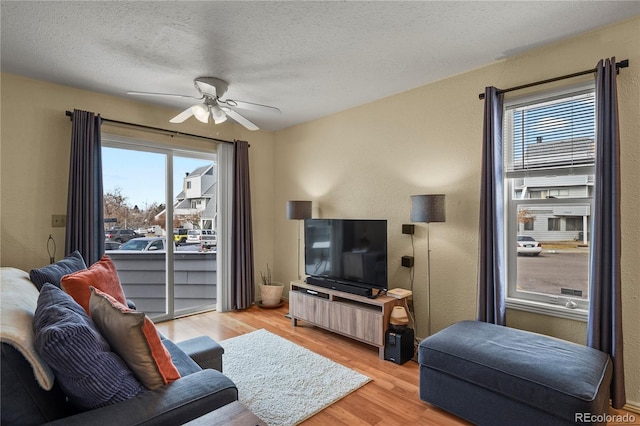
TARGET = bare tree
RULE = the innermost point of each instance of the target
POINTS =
(525, 216)
(115, 205)
(193, 218)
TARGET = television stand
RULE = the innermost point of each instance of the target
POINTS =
(351, 315)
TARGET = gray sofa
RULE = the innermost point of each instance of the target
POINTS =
(24, 401)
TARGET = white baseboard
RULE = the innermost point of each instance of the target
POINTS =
(632, 406)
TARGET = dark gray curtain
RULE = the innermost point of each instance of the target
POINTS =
(85, 216)
(604, 327)
(491, 273)
(242, 278)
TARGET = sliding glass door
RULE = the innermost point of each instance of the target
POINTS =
(161, 210)
(195, 211)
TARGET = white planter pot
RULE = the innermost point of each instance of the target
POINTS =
(271, 294)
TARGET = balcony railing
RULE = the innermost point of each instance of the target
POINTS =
(143, 277)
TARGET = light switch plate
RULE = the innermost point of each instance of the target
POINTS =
(58, 220)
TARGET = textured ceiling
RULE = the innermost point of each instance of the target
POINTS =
(310, 59)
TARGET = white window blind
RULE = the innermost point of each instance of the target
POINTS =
(556, 133)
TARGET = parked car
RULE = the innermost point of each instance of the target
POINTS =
(145, 244)
(141, 231)
(528, 245)
(209, 238)
(121, 235)
(112, 245)
(205, 237)
(180, 236)
(193, 236)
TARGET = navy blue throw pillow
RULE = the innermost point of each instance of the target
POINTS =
(53, 273)
(88, 372)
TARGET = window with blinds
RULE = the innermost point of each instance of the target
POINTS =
(549, 158)
(553, 133)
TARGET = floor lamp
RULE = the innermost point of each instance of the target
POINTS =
(298, 210)
(427, 209)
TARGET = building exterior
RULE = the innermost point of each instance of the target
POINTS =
(551, 220)
(196, 205)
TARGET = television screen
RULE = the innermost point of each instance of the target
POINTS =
(349, 250)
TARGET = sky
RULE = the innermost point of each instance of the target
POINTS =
(141, 175)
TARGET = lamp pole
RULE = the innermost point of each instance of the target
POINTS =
(298, 264)
(427, 209)
(428, 284)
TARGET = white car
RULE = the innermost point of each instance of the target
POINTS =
(193, 236)
(527, 245)
(144, 244)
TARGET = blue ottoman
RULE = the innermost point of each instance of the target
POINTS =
(494, 375)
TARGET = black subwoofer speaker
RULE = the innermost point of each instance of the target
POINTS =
(398, 345)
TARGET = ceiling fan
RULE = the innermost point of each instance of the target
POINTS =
(211, 90)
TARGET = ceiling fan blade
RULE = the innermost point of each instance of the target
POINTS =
(182, 116)
(250, 106)
(240, 119)
(163, 94)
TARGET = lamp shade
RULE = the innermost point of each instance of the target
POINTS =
(427, 208)
(298, 210)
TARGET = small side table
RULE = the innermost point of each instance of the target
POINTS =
(234, 414)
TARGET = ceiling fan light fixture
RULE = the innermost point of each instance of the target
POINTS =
(201, 112)
(211, 90)
(218, 114)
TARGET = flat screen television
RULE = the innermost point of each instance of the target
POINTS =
(347, 254)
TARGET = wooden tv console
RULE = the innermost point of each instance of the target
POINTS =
(358, 317)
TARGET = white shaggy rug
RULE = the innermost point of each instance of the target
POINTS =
(281, 382)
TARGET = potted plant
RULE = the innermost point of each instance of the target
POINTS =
(270, 291)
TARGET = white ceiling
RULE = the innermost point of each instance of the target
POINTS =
(310, 59)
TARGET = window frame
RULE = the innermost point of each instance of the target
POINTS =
(562, 306)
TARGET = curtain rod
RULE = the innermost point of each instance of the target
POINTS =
(157, 129)
(621, 64)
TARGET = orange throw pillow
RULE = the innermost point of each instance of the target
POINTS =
(101, 275)
(133, 336)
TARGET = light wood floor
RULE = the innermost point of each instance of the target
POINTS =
(391, 398)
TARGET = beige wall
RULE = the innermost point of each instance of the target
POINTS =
(367, 161)
(361, 163)
(34, 159)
